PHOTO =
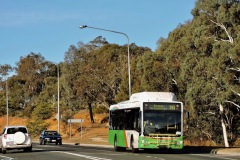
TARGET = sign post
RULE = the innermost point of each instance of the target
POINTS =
(75, 121)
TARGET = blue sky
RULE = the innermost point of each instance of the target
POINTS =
(49, 27)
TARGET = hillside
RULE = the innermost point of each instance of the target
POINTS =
(96, 133)
(91, 133)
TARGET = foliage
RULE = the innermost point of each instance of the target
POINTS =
(198, 61)
(203, 64)
(99, 109)
(42, 111)
(36, 126)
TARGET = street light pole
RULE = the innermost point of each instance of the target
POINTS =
(58, 108)
(58, 100)
(129, 74)
(7, 100)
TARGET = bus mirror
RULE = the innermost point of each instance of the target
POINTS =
(139, 119)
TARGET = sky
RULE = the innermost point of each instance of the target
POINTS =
(49, 27)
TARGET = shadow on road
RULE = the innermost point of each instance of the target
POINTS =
(185, 150)
(199, 149)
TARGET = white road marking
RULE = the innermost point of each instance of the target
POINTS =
(155, 157)
(213, 156)
(84, 156)
(10, 158)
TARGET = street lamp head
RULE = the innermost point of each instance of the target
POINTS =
(129, 78)
(83, 26)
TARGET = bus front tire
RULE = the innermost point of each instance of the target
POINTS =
(116, 148)
(134, 150)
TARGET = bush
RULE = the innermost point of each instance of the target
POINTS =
(36, 126)
(42, 111)
(100, 109)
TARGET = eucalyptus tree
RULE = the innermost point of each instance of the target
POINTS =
(80, 80)
(70, 71)
(162, 69)
(137, 67)
(99, 75)
(202, 58)
(219, 37)
(15, 92)
(46, 103)
(31, 71)
(4, 72)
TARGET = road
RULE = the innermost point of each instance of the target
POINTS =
(78, 152)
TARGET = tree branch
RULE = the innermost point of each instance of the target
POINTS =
(233, 103)
(230, 39)
(235, 92)
(174, 81)
(235, 69)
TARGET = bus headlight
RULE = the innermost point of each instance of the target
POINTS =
(179, 142)
(144, 141)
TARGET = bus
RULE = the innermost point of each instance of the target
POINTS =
(148, 120)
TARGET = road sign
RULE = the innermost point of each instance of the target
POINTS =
(75, 120)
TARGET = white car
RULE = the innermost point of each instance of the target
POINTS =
(15, 137)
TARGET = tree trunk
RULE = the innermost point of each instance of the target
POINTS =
(90, 112)
(223, 127)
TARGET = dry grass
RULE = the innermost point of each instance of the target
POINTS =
(12, 121)
(96, 133)
(91, 133)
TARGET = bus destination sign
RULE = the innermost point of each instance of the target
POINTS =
(162, 107)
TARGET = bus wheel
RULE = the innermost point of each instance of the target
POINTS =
(116, 148)
(134, 150)
(171, 151)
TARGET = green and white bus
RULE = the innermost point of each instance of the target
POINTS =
(149, 120)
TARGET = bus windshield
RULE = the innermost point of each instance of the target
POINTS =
(158, 122)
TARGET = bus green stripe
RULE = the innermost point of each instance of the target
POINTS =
(121, 137)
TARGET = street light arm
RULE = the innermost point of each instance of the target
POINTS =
(129, 74)
(85, 26)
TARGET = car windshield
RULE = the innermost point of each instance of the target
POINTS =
(51, 133)
(14, 130)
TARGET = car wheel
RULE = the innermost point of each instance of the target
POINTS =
(44, 142)
(60, 143)
(4, 151)
(40, 142)
(29, 149)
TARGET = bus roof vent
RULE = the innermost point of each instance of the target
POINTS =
(153, 96)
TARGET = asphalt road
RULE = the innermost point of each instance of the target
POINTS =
(78, 152)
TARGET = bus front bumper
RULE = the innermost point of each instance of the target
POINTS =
(156, 143)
